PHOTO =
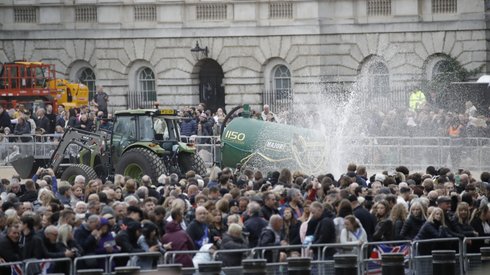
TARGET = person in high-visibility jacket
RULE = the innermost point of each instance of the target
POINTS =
(416, 100)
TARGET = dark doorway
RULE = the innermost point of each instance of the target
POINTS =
(211, 90)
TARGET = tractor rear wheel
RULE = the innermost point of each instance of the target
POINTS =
(192, 162)
(71, 172)
(138, 162)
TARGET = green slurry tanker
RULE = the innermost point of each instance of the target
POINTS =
(271, 146)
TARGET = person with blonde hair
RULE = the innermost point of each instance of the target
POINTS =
(434, 228)
(415, 220)
(398, 216)
(233, 239)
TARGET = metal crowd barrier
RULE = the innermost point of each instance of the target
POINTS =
(112, 257)
(473, 260)
(43, 262)
(172, 254)
(366, 248)
(422, 264)
(107, 268)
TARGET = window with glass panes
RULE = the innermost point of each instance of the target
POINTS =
(281, 81)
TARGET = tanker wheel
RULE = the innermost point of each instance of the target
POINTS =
(192, 162)
(138, 162)
(73, 171)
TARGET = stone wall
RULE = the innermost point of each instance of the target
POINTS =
(324, 41)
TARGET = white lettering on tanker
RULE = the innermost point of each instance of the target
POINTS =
(274, 145)
(233, 135)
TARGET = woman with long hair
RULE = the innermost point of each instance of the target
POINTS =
(480, 221)
(352, 233)
(290, 228)
(398, 216)
(149, 242)
(434, 228)
(343, 210)
(415, 220)
(384, 227)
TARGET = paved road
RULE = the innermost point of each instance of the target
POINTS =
(6, 172)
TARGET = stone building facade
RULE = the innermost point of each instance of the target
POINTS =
(255, 47)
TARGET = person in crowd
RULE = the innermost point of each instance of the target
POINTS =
(414, 222)
(367, 219)
(100, 100)
(291, 225)
(398, 216)
(10, 249)
(88, 235)
(233, 239)
(325, 227)
(254, 224)
(384, 228)
(271, 236)
(179, 239)
(198, 229)
(270, 205)
(352, 233)
(434, 228)
(480, 221)
(149, 242)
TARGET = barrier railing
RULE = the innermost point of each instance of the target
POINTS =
(366, 248)
(374, 152)
(423, 263)
(45, 262)
(473, 259)
(107, 268)
(140, 255)
(18, 266)
(321, 262)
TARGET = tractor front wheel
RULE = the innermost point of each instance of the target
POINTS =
(73, 171)
(138, 162)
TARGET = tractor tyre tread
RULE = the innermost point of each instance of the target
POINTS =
(154, 166)
(79, 169)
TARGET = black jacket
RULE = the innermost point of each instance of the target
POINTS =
(230, 242)
(198, 231)
(325, 233)
(254, 226)
(267, 212)
(5, 120)
(268, 238)
(411, 227)
(397, 229)
(367, 220)
(10, 252)
(84, 237)
(383, 230)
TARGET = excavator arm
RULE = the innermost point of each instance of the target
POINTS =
(87, 140)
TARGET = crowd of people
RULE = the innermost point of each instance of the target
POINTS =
(236, 209)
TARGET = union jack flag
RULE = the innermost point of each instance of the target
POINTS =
(16, 270)
(374, 265)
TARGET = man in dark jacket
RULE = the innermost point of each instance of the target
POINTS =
(188, 126)
(271, 236)
(325, 229)
(270, 205)
(87, 234)
(233, 239)
(198, 229)
(254, 224)
(5, 120)
(10, 251)
(367, 219)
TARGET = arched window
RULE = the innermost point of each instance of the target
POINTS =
(442, 68)
(281, 81)
(379, 78)
(146, 84)
(87, 77)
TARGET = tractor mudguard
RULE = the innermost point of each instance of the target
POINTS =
(184, 147)
(156, 148)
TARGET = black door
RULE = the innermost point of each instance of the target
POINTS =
(211, 90)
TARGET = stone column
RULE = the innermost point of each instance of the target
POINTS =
(443, 262)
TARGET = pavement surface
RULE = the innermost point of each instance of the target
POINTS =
(6, 172)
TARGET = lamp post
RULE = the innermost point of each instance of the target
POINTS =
(198, 52)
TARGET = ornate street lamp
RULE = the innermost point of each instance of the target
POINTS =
(198, 52)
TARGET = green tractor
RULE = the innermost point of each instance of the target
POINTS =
(140, 142)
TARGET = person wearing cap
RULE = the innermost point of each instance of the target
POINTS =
(444, 202)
